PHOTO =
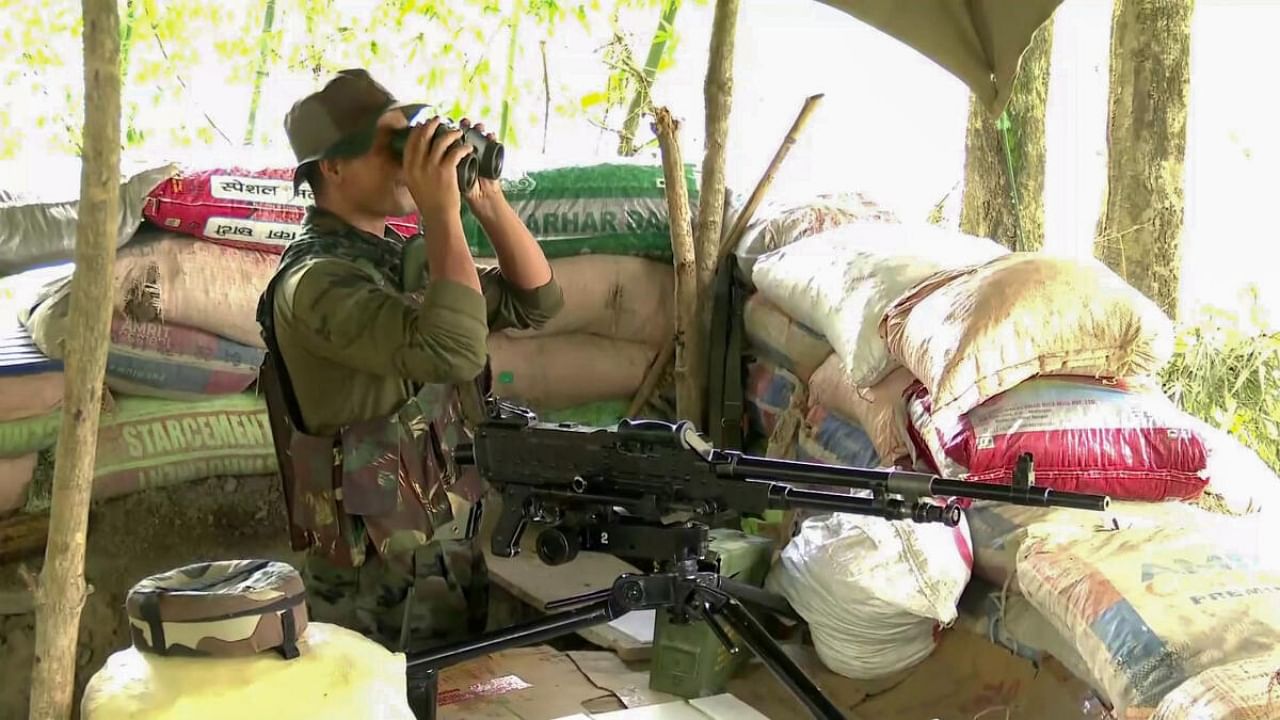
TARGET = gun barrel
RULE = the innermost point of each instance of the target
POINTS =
(904, 482)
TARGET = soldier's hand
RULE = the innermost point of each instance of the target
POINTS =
(431, 170)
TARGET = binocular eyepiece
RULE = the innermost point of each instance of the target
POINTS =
(485, 161)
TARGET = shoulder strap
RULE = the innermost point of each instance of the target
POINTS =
(278, 382)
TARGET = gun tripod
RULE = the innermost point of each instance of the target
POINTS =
(681, 588)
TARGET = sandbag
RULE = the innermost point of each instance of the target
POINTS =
(147, 442)
(880, 410)
(232, 608)
(1243, 690)
(167, 278)
(780, 339)
(1126, 440)
(1151, 607)
(970, 335)
(830, 439)
(840, 282)
(155, 359)
(15, 477)
(339, 673)
(558, 372)
(998, 529)
(769, 393)
(778, 224)
(626, 298)
(926, 447)
(242, 207)
(1238, 478)
(873, 591)
(29, 395)
(40, 205)
(603, 209)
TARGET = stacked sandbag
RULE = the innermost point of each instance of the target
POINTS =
(831, 288)
(874, 592)
(559, 372)
(775, 401)
(154, 359)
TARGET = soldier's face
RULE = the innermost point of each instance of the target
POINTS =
(374, 182)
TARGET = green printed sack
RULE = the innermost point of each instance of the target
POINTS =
(605, 209)
(149, 442)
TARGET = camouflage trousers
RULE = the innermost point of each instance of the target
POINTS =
(444, 587)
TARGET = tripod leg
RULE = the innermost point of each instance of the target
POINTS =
(778, 662)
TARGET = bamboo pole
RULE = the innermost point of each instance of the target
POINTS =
(260, 71)
(729, 240)
(642, 96)
(717, 91)
(61, 592)
(689, 400)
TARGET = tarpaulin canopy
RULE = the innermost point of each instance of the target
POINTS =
(978, 41)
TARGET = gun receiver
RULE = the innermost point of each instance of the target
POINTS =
(612, 486)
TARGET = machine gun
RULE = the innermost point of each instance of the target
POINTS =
(647, 490)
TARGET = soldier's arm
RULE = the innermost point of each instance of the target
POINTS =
(339, 311)
(508, 305)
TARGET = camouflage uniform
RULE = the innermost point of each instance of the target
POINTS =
(375, 359)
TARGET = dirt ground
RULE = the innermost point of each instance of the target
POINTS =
(131, 538)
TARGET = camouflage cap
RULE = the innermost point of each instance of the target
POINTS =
(227, 609)
(340, 119)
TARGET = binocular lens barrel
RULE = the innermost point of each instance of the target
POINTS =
(485, 161)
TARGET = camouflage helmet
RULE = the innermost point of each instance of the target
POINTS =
(226, 609)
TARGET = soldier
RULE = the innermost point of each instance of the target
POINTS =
(367, 371)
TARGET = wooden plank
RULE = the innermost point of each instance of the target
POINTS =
(22, 536)
(533, 582)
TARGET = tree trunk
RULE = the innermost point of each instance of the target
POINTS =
(61, 592)
(1139, 232)
(1012, 146)
(689, 385)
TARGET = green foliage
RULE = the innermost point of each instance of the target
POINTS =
(190, 67)
(1227, 372)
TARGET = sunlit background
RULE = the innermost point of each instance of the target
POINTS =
(891, 124)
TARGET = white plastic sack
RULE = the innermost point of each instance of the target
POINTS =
(39, 209)
(778, 224)
(871, 590)
(840, 282)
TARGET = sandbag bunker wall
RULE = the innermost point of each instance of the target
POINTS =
(894, 344)
(185, 346)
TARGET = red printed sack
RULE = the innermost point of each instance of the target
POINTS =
(253, 209)
(1086, 435)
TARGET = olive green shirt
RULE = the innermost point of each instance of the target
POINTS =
(355, 345)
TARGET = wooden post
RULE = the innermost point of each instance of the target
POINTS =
(689, 398)
(61, 592)
(727, 242)
(717, 91)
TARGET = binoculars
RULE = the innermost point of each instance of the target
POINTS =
(485, 161)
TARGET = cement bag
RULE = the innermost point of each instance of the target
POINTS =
(241, 207)
(840, 282)
(781, 340)
(154, 359)
(778, 224)
(998, 529)
(873, 591)
(604, 209)
(558, 372)
(770, 392)
(1243, 690)
(625, 298)
(146, 442)
(926, 446)
(179, 281)
(880, 410)
(28, 435)
(339, 673)
(26, 396)
(40, 205)
(830, 439)
(15, 477)
(970, 335)
(1122, 439)
(1149, 608)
